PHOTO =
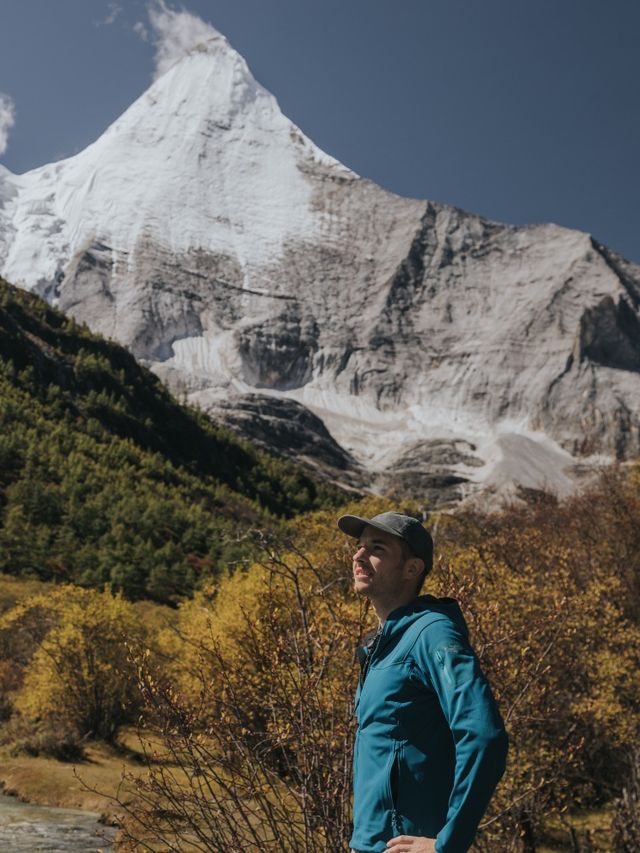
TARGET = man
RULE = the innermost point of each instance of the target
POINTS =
(431, 745)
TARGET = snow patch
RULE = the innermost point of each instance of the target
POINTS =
(215, 168)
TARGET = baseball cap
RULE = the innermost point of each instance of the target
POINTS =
(405, 527)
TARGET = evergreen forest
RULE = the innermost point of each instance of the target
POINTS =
(107, 481)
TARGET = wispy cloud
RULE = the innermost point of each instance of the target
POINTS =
(174, 34)
(115, 9)
(7, 120)
(141, 30)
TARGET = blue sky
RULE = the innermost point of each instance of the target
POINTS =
(521, 110)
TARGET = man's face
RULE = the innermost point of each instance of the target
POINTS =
(377, 564)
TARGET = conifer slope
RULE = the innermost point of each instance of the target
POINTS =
(106, 479)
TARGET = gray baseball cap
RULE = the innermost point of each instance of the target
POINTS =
(405, 527)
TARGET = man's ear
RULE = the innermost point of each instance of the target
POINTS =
(414, 567)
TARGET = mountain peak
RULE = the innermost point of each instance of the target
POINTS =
(211, 45)
(211, 81)
(441, 351)
(205, 140)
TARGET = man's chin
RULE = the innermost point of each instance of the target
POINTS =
(362, 586)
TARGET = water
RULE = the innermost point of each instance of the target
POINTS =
(26, 828)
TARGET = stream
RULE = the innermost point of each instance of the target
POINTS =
(27, 828)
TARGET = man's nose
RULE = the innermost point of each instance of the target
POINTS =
(360, 552)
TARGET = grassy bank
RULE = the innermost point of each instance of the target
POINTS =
(48, 782)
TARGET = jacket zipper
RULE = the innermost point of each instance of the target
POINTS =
(395, 823)
(371, 650)
(394, 782)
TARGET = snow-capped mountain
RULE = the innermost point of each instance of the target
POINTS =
(436, 351)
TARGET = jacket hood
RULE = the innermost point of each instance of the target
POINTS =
(423, 607)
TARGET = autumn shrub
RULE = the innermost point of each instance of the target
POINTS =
(10, 677)
(252, 709)
(260, 734)
(78, 679)
(48, 738)
(555, 616)
(216, 618)
(559, 655)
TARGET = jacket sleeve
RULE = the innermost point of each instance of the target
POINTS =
(451, 667)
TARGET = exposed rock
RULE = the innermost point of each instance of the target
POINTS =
(290, 430)
(434, 471)
(442, 352)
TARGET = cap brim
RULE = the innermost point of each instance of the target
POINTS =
(353, 526)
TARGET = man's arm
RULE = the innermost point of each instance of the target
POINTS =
(453, 670)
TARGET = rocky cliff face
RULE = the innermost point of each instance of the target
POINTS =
(400, 344)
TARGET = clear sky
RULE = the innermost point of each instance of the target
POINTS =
(521, 110)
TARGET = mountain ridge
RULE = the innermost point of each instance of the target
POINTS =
(234, 258)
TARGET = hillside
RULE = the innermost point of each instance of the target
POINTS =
(106, 479)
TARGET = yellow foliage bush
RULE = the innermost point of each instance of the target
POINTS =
(311, 561)
(257, 698)
(79, 673)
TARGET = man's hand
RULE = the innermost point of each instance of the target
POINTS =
(411, 844)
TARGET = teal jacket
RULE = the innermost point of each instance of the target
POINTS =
(431, 745)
